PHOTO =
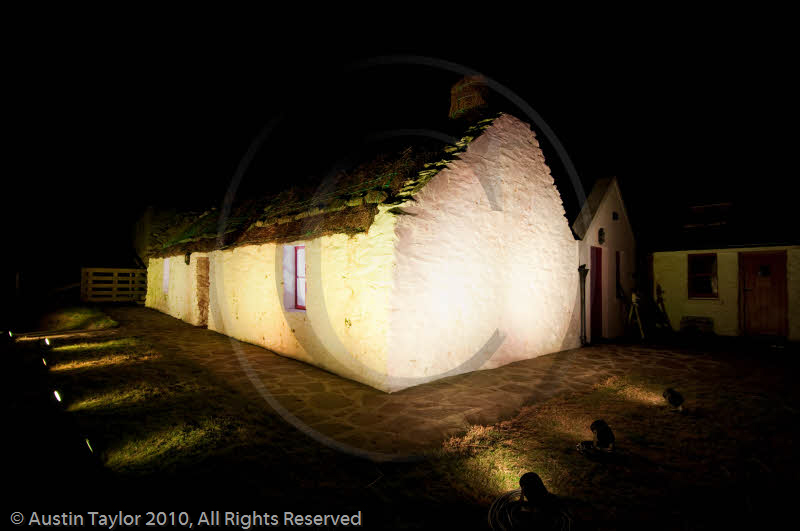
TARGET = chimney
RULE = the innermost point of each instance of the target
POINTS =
(468, 98)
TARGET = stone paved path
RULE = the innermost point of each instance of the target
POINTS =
(402, 423)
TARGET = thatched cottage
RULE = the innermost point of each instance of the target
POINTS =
(413, 269)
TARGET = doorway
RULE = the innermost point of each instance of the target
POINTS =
(596, 294)
(763, 294)
(202, 291)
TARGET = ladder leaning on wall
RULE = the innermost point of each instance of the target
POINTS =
(660, 319)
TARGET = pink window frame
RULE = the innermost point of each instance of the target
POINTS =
(298, 277)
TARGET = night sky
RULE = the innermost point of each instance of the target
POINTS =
(104, 125)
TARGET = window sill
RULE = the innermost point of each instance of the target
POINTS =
(295, 310)
(698, 298)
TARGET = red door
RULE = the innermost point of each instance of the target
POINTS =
(596, 293)
(763, 294)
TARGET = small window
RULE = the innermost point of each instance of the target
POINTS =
(615, 216)
(300, 277)
(165, 280)
(703, 276)
(294, 277)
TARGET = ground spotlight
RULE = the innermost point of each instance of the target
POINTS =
(529, 507)
(44, 344)
(89, 445)
(673, 398)
(58, 396)
(44, 362)
(603, 442)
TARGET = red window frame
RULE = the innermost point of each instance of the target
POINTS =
(297, 277)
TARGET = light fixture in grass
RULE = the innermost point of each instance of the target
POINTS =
(529, 507)
(673, 398)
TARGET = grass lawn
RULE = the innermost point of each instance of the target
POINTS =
(724, 462)
(166, 429)
(75, 318)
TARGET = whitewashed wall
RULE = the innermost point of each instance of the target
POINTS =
(618, 237)
(484, 252)
(482, 271)
(344, 326)
(180, 299)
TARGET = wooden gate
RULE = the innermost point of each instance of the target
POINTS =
(100, 284)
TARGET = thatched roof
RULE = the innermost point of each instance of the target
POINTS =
(346, 204)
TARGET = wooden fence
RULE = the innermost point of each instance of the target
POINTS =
(100, 284)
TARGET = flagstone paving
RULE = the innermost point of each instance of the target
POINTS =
(408, 422)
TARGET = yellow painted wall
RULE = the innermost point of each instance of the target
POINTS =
(793, 285)
(670, 271)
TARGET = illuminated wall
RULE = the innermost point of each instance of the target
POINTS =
(484, 252)
(344, 326)
(180, 299)
(670, 271)
(479, 272)
(618, 237)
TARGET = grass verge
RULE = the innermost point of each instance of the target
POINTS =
(75, 318)
(721, 463)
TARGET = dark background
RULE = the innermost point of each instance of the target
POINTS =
(103, 123)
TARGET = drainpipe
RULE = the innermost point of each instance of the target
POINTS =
(583, 271)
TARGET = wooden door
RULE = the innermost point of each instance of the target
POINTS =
(202, 291)
(596, 293)
(763, 294)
